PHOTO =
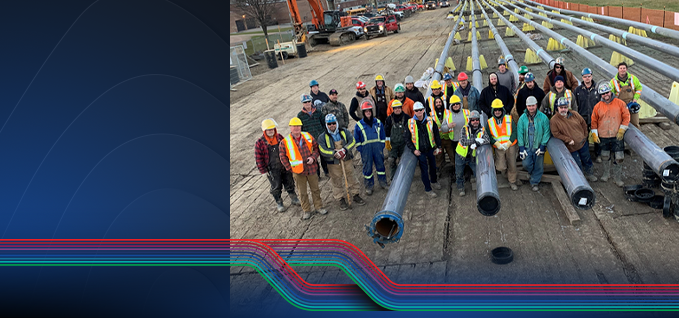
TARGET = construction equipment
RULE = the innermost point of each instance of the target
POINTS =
(333, 27)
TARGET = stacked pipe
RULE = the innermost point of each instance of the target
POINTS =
(669, 185)
(578, 189)
(387, 225)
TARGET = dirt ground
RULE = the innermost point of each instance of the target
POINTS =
(618, 242)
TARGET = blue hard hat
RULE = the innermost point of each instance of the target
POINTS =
(529, 77)
(447, 77)
(330, 118)
(305, 98)
(313, 83)
(633, 107)
(586, 71)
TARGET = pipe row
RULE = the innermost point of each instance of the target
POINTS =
(387, 224)
(513, 67)
(578, 189)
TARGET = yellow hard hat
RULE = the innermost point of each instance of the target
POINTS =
(295, 122)
(455, 100)
(435, 84)
(396, 103)
(269, 123)
(497, 104)
(379, 78)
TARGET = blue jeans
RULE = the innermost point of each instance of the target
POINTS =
(427, 161)
(583, 159)
(534, 164)
(373, 153)
(460, 163)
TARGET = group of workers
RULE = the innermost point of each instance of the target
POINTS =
(521, 118)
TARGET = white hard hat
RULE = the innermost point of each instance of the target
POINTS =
(531, 100)
(418, 106)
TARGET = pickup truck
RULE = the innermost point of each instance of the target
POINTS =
(381, 25)
(430, 5)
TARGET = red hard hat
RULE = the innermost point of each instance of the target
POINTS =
(462, 77)
(360, 85)
(366, 104)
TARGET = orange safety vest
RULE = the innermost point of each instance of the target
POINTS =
(463, 150)
(455, 86)
(296, 160)
(415, 138)
(430, 99)
(501, 133)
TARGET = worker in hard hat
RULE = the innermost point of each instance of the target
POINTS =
(337, 108)
(627, 88)
(610, 121)
(425, 143)
(299, 155)
(522, 77)
(370, 139)
(505, 77)
(436, 93)
(381, 94)
(450, 127)
(502, 131)
(269, 163)
(316, 93)
(395, 130)
(312, 122)
(335, 145)
(532, 134)
(572, 129)
(548, 105)
(439, 115)
(413, 92)
(570, 82)
(406, 103)
(529, 89)
(587, 96)
(449, 86)
(472, 136)
(355, 106)
(494, 91)
(467, 93)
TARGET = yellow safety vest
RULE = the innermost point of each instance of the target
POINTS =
(501, 133)
(415, 138)
(462, 150)
(296, 160)
(455, 86)
(552, 98)
(465, 113)
(430, 99)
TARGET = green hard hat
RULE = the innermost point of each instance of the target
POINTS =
(523, 70)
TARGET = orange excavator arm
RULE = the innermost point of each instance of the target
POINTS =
(316, 12)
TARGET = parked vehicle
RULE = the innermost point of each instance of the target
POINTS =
(444, 4)
(430, 5)
(381, 26)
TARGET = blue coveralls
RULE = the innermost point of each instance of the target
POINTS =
(370, 143)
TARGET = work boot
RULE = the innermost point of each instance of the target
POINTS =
(617, 175)
(592, 178)
(535, 188)
(280, 207)
(431, 194)
(518, 182)
(384, 185)
(294, 199)
(322, 211)
(306, 216)
(436, 186)
(369, 191)
(358, 200)
(598, 160)
(504, 173)
(607, 171)
(462, 192)
(513, 187)
(343, 204)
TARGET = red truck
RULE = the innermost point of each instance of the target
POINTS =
(381, 25)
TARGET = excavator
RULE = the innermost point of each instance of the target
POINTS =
(333, 26)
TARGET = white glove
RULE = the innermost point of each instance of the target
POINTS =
(479, 140)
(473, 146)
(523, 154)
(538, 152)
(505, 146)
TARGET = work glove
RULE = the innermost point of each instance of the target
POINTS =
(387, 144)
(437, 151)
(540, 151)
(621, 133)
(498, 145)
(572, 142)
(473, 146)
(340, 154)
(595, 136)
(523, 153)
(479, 141)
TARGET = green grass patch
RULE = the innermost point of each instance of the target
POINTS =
(258, 43)
(270, 29)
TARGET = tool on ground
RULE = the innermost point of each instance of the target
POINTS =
(346, 181)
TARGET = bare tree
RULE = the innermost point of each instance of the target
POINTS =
(261, 10)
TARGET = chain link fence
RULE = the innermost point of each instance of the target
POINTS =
(240, 69)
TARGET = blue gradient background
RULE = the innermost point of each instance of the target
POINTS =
(114, 124)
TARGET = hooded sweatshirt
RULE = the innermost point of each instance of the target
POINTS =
(415, 95)
(490, 93)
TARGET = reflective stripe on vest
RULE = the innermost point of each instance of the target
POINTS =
(296, 160)
(631, 82)
(455, 86)
(415, 138)
(365, 137)
(463, 150)
(465, 114)
(430, 99)
(501, 133)
(552, 98)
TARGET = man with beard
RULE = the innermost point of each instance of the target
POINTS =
(395, 129)
(570, 82)
(495, 91)
(361, 93)
(502, 133)
(530, 89)
(406, 103)
(587, 96)
(532, 132)
(505, 77)
(472, 136)
(457, 117)
(381, 94)
(557, 91)
(436, 93)
(628, 89)
(572, 129)
(610, 120)
(338, 109)
(425, 143)
(412, 92)
(467, 93)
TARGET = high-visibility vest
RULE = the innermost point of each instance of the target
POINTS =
(465, 114)
(430, 99)
(455, 86)
(446, 114)
(329, 144)
(463, 150)
(415, 138)
(501, 133)
(631, 80)
(296, 160)
(552, 98)
(377, 125)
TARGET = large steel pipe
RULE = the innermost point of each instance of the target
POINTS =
(513, 67)
(477, 77)
(387, 224)
(648, 42)
(487, 195)
(661, 163)
(638, 25)
(638, 57)
(657, 101)
(578, 189)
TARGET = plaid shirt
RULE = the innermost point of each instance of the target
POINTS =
(309, 169)
(262, 153)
